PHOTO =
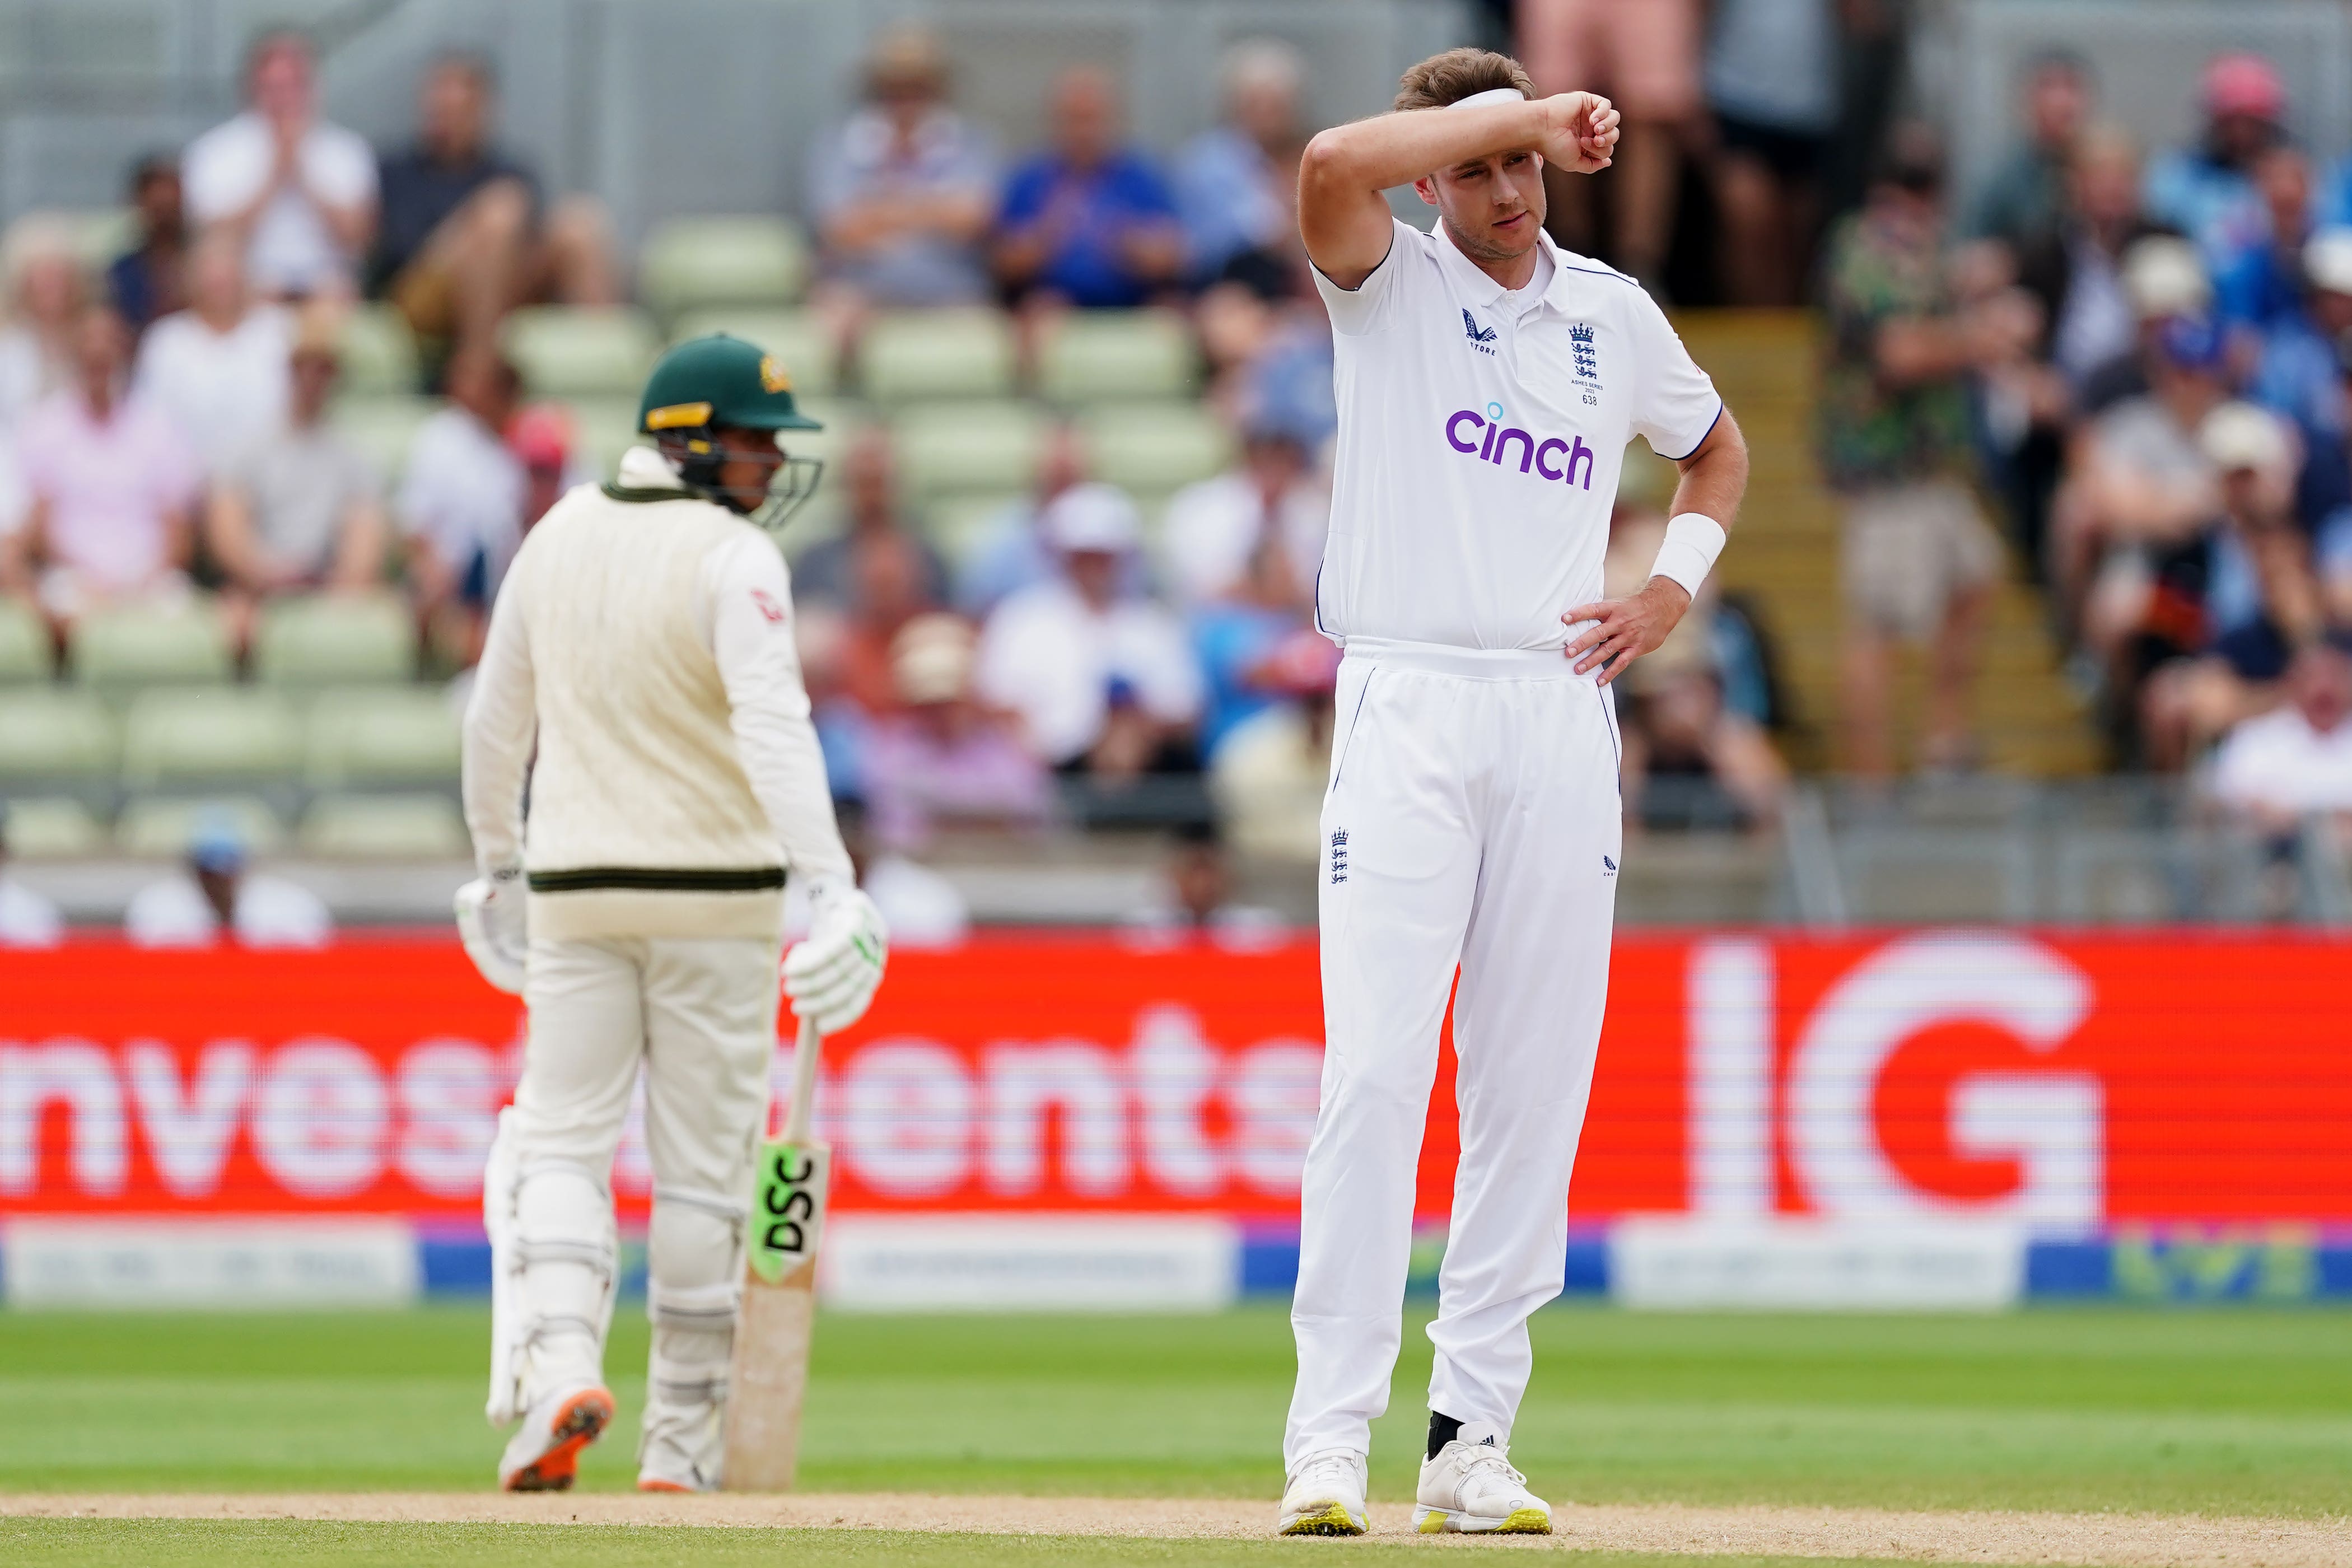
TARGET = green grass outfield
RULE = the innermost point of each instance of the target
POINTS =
(2238, 1412)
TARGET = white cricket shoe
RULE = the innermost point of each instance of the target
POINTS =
(1470, 1488)
(1326, 1494)
(544, 1456)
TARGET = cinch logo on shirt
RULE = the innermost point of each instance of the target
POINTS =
(1533, 453)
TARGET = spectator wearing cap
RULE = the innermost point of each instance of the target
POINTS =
(1919, 561)
(298, 192)
(1104, 684)
(144, 282)
(2253, 591)
(218, 369)
(942, 757)
(2164, 281)
(461, 500)
(2025, 200)
(1012, 553)
(2206, 192)
(2299, 373)
(2295, 761)
(904, 190)
(110, 489)
(1236, 183)
(465, 234)
(301, 508)
(2074, 263)
(1273, 495)
(217, 894)
(28, 918)
(1088, 221)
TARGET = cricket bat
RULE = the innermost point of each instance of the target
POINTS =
(779, 1313)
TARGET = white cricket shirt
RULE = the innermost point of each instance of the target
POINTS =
(1481, 432)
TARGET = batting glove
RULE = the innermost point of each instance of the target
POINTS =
(490, 922)
(832, 975)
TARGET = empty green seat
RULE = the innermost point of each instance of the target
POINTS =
(53, 827)
(384, 737)
(48, 733)
(568, 350)
(744, 259)
(381, 426)
(1091, 354)
(602, 429)
(963, 447)
(379, 352)
(163, 829)
(1155, 449)
(796, 338)
(335, 639)
(117, 650)
(907, 355)
(176, 739)
(24, 653)
(385, 827)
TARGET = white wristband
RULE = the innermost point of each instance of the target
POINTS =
(1693, 541)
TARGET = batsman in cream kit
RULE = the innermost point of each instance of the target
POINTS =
(641, 685)
(1488, 383)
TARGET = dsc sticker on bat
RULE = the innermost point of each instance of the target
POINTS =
(790, 1207)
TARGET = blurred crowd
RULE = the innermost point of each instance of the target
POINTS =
(2138, 357)
(2120, 367)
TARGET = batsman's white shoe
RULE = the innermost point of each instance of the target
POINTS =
(1471, 1489)
(1326, 1495)
(544, 1456)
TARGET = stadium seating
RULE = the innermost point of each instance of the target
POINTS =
(961, 448)
(1152, 449)
(796, 338)
(379, 351)
(25, 652)
(1094, 354)
(182, 740)
(163, 829)
(570, 351)
(51, 735)
(335, 640)
(54, 827)
(385, 827)
(364, 739)
(380, 426)
(602, 429)
(909, 355)
(118, 650)
(736, 261)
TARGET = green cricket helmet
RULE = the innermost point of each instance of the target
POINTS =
(705, 383)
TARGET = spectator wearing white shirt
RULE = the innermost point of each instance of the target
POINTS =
(46, 296)
(1275, 490)
(218, 369)
(1105, 685)
(216, 893)
(461, 501)
(299, 192)
(2296, 759)
(26, 919)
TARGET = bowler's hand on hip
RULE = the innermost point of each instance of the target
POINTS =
(1622, 630)
(832, 975)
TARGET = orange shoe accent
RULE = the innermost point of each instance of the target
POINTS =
(581, 1420)
(650, 1484)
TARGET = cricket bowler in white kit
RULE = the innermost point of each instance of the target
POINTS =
(643, 643)
(1487, 384)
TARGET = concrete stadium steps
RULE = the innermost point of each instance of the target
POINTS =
(1785, 556)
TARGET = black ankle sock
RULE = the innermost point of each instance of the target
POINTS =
(1443, 1429)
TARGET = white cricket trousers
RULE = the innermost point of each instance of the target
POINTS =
(1472, 817)
(700, 1015)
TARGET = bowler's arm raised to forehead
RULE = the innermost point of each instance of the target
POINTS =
(1344, 217)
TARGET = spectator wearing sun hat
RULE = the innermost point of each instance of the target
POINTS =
(1104, 684)
(940, 756)
(2207, 191)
